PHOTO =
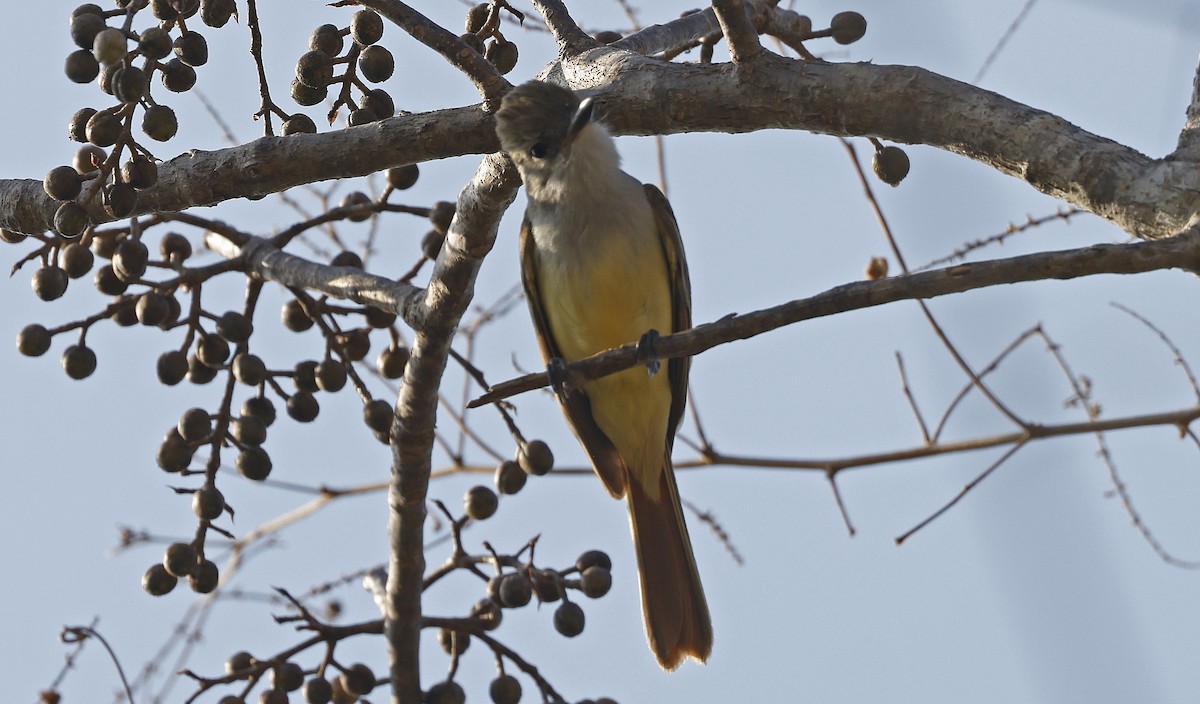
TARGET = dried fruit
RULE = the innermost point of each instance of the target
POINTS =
(49, 283)
(33, 340)
(81, 66)
(192, 49)
(314, 69)
(254, 463)
(298, 124)
(376, 64)
(568, 619)
(403, 177)
(172, 366)
(208, 503)
(70, 220)
(510, 478)
(848, 27)
(76, 260)
(326, 39)
(109, 45)
(536, 458)
(366, 27)
(890, 165)
(157, 581)
(159, 123)
(505, 689)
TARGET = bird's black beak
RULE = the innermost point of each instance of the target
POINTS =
(581, 119)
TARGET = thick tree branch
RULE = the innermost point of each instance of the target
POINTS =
(1182, 252)
(570, 38)
(260, 259)
(274, 164)
(740, 34)
(1147, 197)
(1189, 137)
(471, 236)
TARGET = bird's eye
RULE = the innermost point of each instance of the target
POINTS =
(539, 150)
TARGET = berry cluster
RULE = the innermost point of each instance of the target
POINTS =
(124, 63)
(364, 60)
(484, 36)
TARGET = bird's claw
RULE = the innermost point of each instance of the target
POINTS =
(646, 354)
(556, 370)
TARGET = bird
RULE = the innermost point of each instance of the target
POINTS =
(602, 264)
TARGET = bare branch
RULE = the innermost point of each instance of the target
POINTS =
(1149, 198)
(1182, 252)
(471, 236)
(261, 259)
(570, 38)
(488, 81)
(739, 33)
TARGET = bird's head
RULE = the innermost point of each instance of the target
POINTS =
(538, 124)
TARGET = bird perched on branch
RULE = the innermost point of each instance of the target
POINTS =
(603, 265)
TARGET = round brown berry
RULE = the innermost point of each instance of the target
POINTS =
(288, 677)
(180, 559)
(71, 219)
(326, 39)
(49, 283)
(536, 458)
(172, 366)
(480, 502)
(378, 415)
(593, 558)
(568, 619)
(510, 478)
(403, 177)
(260, 407)
(79, 361)
(254, 463)
(848, 27)
(194, 425)
(314, 69)
(33, 340)
(159, 123)
(298, 124)
(303, 407)
(595, 581)
(359, 679)
(505, 689)
(208, 503)
(157, 581)
(890, 165)
(76, 260)
(516, 590)
(366, 27)
(331, 375)
(234, 327)
(376, 64)
(204, 578)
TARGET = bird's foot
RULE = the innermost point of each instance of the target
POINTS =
(646, 354)
(556, 369)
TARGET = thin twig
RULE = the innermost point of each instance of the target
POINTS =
(1008, 33)
(1187, 369)
(912, 401)
(933, 323)
(74, 634)
(964, 491)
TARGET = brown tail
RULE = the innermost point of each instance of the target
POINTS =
(673, 604)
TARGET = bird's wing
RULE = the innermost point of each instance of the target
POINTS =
(681, 297)
(609, 465)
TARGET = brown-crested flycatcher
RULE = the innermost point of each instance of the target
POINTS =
(603, 266)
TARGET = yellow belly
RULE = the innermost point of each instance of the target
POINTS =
(612, 299)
